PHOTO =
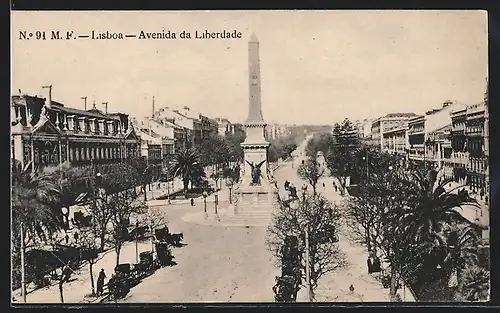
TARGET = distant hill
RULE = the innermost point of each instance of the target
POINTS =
(299, 129)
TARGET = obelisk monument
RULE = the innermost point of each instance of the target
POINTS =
(255, 146)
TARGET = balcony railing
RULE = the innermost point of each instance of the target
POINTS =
(475, 133)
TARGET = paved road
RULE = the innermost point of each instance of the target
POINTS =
(219, 264)
(232, 264)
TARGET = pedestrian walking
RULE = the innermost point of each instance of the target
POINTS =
(192, 202)
(324, 185)
(369, 265)
(76, 236)
(351, 288)
(100, 282)
(66, 238)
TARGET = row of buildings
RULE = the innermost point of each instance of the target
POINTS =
(453, 136)
(46, 132)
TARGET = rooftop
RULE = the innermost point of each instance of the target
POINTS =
(59, 107)
(400, 115)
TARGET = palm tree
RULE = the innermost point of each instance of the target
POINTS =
(461, 250)
(475, 285)
(34, 214)
(417, 222)
(430, 206)
(70, 182)
(34, 198)
(187, 167)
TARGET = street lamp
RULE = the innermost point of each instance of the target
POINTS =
(216, 201)
(136, 243)
(308, 266)
(367, 168)
(95, 188)
(230, 185)
(205, 194)
(168, 185)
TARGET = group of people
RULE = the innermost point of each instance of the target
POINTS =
(75, 236)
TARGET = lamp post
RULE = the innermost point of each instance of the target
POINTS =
(230, 186)
(168, 186)
(306, 239)
(216, 201)
(136, 243)
(308, 266)
(23, 273)
(205, 194)
(367, 168)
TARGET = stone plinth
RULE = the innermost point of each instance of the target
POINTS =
(255, 198)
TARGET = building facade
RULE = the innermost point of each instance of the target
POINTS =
(416, 138)
(46, 132)
(208, 126)
(385, 123)
(396, 140)
(427, 134)
(475, 134)
(151, 146)
(274, 131)
(437, 150)
(458, 139)
(224, 126)
(364, 128)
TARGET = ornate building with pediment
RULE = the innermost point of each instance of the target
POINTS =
(46, 132)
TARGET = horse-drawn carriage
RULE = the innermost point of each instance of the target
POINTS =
(146, 266)
(82, 220)
(120, 283)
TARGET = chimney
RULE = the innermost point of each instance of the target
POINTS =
(48, 100)
(105, 107)
(93, 104)
(85, 102)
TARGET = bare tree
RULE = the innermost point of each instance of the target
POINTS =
(311, 170)
(123, 204)
(364, 218)
(153, 217)
(101, 213)
(65, 275)
(320, 217)
(89, 251)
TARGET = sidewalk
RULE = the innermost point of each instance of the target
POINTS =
(472, 213)
(78, 289)
(334, 286)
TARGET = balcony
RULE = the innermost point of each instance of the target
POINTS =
(475, 133)
(457, 132)
(457, 160)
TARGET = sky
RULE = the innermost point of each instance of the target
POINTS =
(317, 67)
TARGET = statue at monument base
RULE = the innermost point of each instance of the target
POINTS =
(256, 173)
